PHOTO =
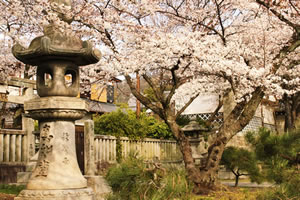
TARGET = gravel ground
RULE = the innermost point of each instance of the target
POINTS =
(248, 184)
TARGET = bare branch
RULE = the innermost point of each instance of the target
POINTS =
(144, 100)
(185, 106)
(177, 82)
(246, 113)
(214, 114)
(279, 16)
(158, 94)
(294, 7)
(220, 20)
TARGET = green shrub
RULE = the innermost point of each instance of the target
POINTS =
(134, 179)
(124, 123)
(280, 157)
(11, 189)
(287, 190)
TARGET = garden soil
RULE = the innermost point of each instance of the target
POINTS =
(6, 196)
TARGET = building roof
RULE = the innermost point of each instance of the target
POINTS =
(101, 107)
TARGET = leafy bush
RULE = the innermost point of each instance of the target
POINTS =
(183, 120)
(11, 189)
(133, 179)
(123, 122)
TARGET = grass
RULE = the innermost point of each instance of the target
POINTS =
(11, 189)
(232, 193)
(228, 193)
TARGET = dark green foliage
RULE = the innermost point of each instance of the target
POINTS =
(287, 190)
(277, 152)
(11, 189)
(149, 92)
(241, 162)
(280, 155)
(133, 179)
(201, 122)
(183, 120)
(123, 123)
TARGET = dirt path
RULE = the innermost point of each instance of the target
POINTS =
(7, 196)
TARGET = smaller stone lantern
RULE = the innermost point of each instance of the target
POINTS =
(193, 129)
(199, 142)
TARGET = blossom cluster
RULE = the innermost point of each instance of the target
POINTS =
(214, 46)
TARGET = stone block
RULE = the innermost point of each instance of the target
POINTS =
(23, 177)
(99, 185)
(72, 194)
(30, 166)
(57, 102)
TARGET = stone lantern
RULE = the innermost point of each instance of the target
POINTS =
(193, 129)
(198, 140)
(57, 55)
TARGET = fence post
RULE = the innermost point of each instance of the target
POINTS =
(89, 159)
(28, 127)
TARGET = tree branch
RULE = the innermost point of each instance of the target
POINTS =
(158, 94)
(220, 21)
(144, 100)
(214, 114)
(248, 111)
(105, 32)
(185, 106)
(232, 170)
(279, 16)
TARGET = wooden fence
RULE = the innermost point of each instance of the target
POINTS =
(105, 149)
(13, 146)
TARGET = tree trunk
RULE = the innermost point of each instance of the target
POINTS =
(234, 123)
(236, 180)
(209, 173)
(193, 172)
(289, 121)
(205, 180)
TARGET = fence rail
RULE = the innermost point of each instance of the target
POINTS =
(13, 145)
(105, 149)
(14, 148)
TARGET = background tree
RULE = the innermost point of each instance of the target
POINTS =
(241, 162)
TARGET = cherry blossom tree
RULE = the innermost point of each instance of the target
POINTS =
(182, 49)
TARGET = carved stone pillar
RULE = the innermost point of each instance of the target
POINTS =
(57, 166)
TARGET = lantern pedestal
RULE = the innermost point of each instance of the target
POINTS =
(57, 174)
(72, 194)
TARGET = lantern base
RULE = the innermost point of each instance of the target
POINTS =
(70, 194)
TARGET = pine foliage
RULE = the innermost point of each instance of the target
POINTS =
(280, 155)
(241, 162)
